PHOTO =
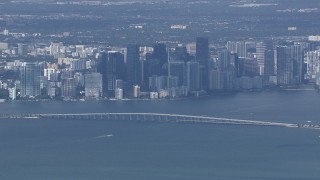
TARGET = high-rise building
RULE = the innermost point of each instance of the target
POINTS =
(134, 69)
(22, 49)
(93, 85)
(118, 93)
(136, 91)
(30, 79)
(202, 49)
(68, 88)
(284, 65)
(177, 68)
(216, 80)
(202, 56)
(78, 65)
(111, 67)
(289, 64)
(181, 53)
(260, 56)
(115, 69)
(193, 76)
(160, 54)
(102, 69)
(312, 58)
(298, 56)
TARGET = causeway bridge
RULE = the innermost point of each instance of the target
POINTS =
(157, 117)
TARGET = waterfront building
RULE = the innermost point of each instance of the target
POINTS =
(68, 88)
(216, 80)
(93, 85)
(312, 59)
(115, 69)
(289, 65)
(160, 54)
(260, 56)
(133, 64)
(102, 69)
(12, 93)
(202, 56)
(118, 93)
(30, 80)
(154, 95)
(136, 91)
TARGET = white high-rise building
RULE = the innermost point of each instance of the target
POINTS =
(118, 93)
(260, 56)
(136, 91)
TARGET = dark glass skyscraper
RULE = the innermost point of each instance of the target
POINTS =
(160, 53)
(115, 69)
(284, 65)
(202, 56)
(102, 69)
(133, 65)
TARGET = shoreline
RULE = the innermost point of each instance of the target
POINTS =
(210, 94)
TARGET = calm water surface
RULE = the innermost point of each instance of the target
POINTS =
(97, 149)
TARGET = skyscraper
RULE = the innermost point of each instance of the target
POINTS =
(133, 65)
(115, 69)
(30, 79)
(102, 69)
(160, 54)
(68, 88)
(284, 65)
(93, 85)
(260, 55)
(202, 56)
(193, 76)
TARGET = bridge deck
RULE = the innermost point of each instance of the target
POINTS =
(160, 118)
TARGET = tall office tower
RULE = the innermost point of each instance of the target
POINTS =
(202, 56)
(269, 63)
(229, 78)
(238, 65)
(312, 58)
(181, 53)
(298, 55)
(216, 80)
(22, 49)
(102, 69)
(160, 53)
(260, 56)
(68, 88)
(193, 76)
(30, 79)
(134, 75)
(177, 68)
(241, 49)
(232, 46)
(115, 69)
(151, 67)
(284, 65)
(93, 85)
(224, 58)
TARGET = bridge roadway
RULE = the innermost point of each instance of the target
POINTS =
(159, 118)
